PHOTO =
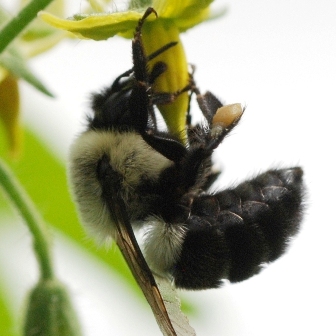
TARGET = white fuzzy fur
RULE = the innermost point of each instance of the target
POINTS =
(130, 156)
(163, 244)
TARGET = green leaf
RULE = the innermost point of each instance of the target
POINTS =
(14, 62)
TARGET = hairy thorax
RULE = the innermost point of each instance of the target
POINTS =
(130, 158)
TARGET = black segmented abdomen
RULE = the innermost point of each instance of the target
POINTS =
(231, 234)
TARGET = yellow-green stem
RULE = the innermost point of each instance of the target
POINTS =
(16, 25)
(156, 34)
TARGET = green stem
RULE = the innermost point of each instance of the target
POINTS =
(34, 222)
(15, 26)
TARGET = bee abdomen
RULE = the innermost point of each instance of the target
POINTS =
(234, 233)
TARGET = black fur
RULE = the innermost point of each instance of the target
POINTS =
(233, 233)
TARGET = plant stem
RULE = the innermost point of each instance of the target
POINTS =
(15, 26)
(35, 223)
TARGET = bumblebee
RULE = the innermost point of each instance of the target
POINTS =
(195, 237)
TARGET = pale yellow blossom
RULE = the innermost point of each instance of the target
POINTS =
(174, 17)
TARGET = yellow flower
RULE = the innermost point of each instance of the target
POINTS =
(14, 66)
(174, 17)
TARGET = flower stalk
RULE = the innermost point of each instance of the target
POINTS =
(155, 35)
(49, 311)
(24, 205)
(18, 23)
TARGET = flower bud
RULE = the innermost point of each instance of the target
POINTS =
(49, 311)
